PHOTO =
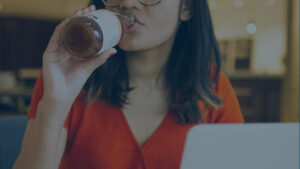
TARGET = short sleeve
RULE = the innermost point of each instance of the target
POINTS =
(36, 98)
(230, 111)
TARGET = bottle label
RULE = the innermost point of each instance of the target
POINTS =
(110, 25)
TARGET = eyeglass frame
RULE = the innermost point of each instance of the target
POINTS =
(140, 1)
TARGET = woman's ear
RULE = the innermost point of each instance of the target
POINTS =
(185, 11)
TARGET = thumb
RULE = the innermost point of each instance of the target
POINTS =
(92, 63)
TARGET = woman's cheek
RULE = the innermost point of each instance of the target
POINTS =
(135, 41)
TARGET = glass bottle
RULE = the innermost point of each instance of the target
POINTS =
(91, 34)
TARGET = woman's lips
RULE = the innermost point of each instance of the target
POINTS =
(134, 26)
(138, 21)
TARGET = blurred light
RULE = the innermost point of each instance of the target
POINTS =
(212, 4)
(238, 3)
(270, 2)
(1, 7)
(251, 28)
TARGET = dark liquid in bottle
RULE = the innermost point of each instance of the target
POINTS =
(82, 37)
(78, 39)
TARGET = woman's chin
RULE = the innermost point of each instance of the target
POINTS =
(130, 47)
(134, 43)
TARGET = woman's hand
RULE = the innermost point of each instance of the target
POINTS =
(64, 75)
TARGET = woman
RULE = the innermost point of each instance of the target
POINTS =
(134, 109)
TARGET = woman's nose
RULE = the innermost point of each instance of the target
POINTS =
(127, 4)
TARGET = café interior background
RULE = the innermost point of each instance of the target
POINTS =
(259, 42)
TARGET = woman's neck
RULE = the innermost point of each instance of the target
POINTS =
(147, 68)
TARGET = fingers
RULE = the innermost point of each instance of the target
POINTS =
(92, 8)
(78, 12)
(89, 9)
(85, 11)
(91, 64)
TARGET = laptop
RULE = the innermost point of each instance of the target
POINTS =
(242, 146)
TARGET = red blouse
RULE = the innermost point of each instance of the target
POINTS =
(99, 136)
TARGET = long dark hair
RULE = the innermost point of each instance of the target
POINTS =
(191, 71)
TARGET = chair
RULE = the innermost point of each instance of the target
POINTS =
(12, 130)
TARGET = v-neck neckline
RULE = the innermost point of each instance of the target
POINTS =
(154, 135)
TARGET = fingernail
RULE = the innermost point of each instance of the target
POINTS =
(112, 54)
(78, 11)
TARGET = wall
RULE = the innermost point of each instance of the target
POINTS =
(290, 95)
(50, 9)
(270, 39)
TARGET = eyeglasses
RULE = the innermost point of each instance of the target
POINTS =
(114, 3)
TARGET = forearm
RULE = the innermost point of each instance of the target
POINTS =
(45, 137)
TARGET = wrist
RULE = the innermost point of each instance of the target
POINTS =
(53, 112)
